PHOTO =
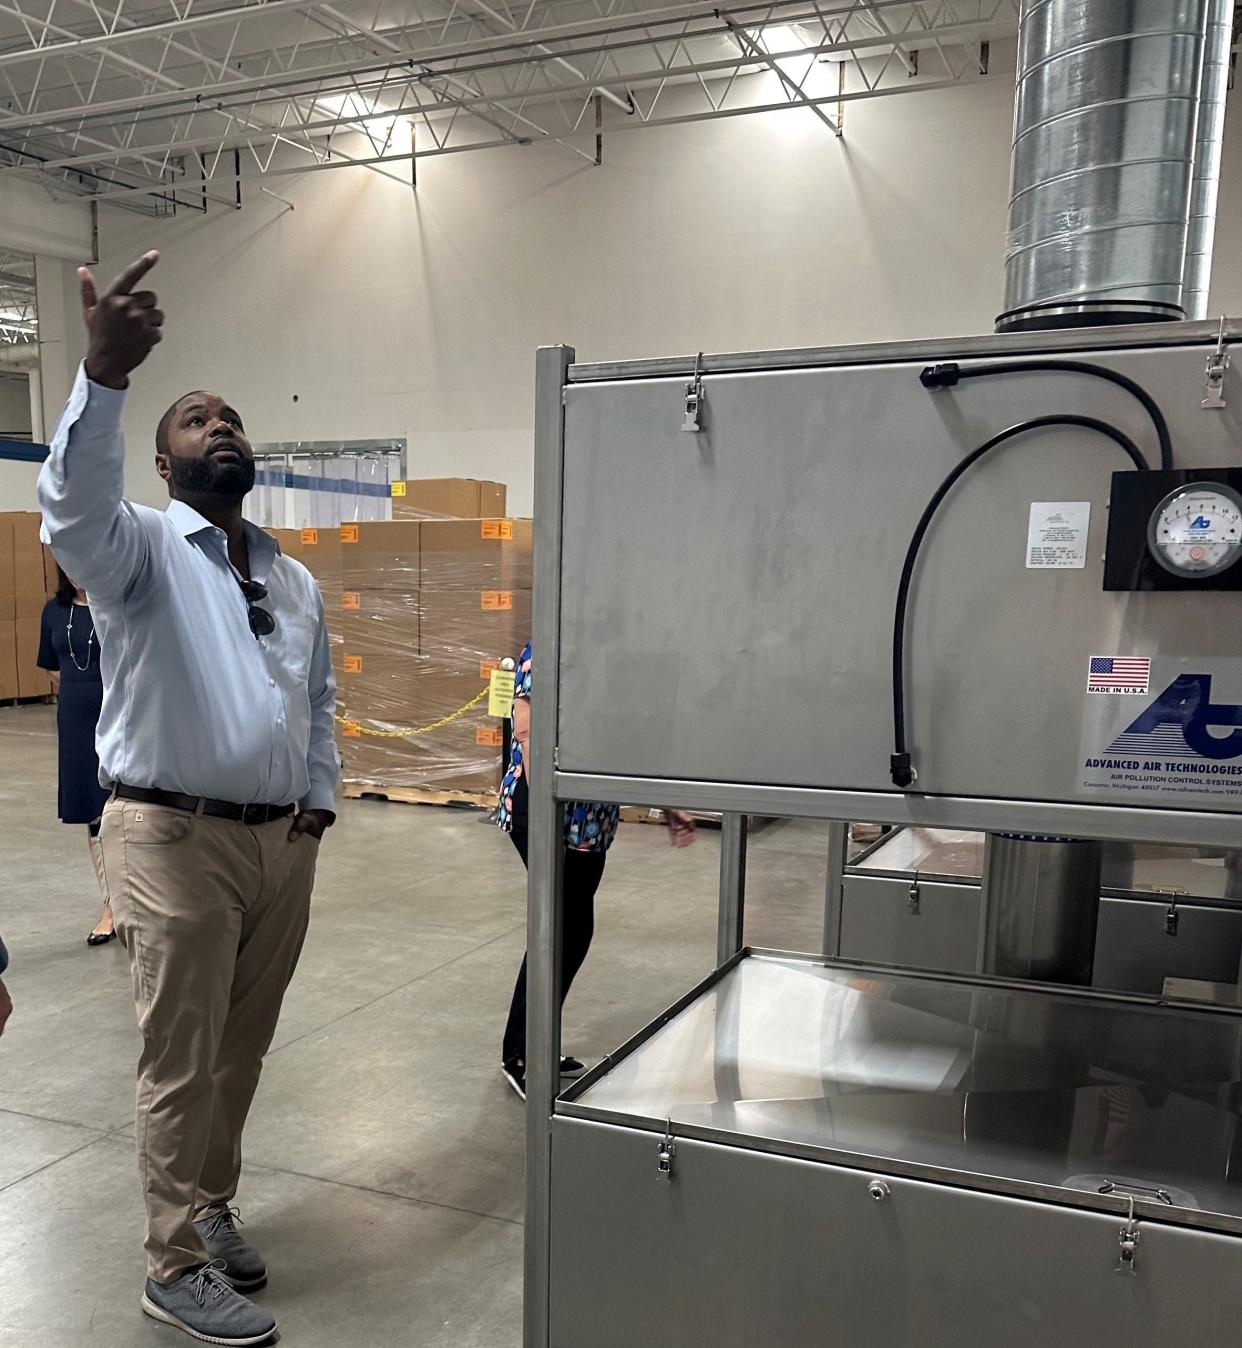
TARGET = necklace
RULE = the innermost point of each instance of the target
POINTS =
(89, 642)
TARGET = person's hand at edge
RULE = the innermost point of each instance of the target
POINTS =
(123, 325)
(681, 828)
(313, 822)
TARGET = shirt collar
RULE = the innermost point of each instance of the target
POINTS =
(264, 549)
(186, 520)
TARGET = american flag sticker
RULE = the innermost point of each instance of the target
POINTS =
(1129, 674)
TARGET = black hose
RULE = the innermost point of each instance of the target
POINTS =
(950, 373)
(900, 765)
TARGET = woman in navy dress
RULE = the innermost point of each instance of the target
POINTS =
(69, 650)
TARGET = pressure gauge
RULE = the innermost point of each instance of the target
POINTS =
(1196, 531)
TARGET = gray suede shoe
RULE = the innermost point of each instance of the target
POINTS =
(203, 1304)
(243, 1265)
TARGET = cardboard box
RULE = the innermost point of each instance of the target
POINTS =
(400, 706)
(320, 552)
(493, 500)
(381, 624)
(380, 555)
(480, 554)
(460, 498)
(464, 628)
(8, 660)
(462, 756)
(31, 680)
(8, 578)
(51, 572)
(30, 584)
(290, 541)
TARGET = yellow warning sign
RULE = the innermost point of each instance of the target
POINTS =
(500, 690)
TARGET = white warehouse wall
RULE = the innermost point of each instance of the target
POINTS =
(370, 310)
(14, 406)
(33, 220)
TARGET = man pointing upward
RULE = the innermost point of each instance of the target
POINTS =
(216, 738)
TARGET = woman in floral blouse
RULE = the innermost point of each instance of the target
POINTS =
(589, 832)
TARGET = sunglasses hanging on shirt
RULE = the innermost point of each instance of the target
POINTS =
(262, 623)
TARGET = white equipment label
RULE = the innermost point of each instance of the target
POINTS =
(1057, 537)
(1180, 743)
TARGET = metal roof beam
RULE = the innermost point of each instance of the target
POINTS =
(772, 12)
(715, 114)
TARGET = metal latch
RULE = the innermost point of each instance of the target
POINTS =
(1132, 1191)
(666, 1153)
(1217, 364)
(914, 898)
(1172, 917)
(694, 398)
(1128, 1238)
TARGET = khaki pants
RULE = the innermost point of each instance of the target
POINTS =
(213, 914)
(97, 863)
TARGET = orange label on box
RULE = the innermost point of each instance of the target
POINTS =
(497, 529)
(351, 599)
(310, 537)
(398, 488)
(495, 600)
(490, 737)
(349, 533)
(486, 667)
(353, 664)
(351, 730)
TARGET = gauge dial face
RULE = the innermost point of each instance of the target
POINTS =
(1196, 531)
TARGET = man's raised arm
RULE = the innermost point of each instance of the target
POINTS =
(94, 533)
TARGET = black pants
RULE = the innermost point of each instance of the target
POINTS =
(583, 872)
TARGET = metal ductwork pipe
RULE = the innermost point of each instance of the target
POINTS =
(1041, 898)
(1205, 187)
(1105, 128)
(1118, 124)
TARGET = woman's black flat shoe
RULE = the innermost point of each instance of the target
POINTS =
(100, 938)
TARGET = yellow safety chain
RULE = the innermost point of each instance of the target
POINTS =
(356, 725)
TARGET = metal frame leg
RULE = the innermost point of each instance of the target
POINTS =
(731, 919)
(838, 855)
(547, 846)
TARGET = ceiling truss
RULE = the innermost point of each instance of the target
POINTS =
(167, 105)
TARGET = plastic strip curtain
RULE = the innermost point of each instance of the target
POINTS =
(316, 484)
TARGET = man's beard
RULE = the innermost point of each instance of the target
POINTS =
(208, 476)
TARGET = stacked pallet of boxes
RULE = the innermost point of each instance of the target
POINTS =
(474, 609)
(449, 498)
(431, 606)
(379, 664)
(421, 609)
(26, 579)
(319, 550)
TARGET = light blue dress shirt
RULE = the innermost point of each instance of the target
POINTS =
(192, 702)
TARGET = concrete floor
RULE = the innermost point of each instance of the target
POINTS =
(383, 1177)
